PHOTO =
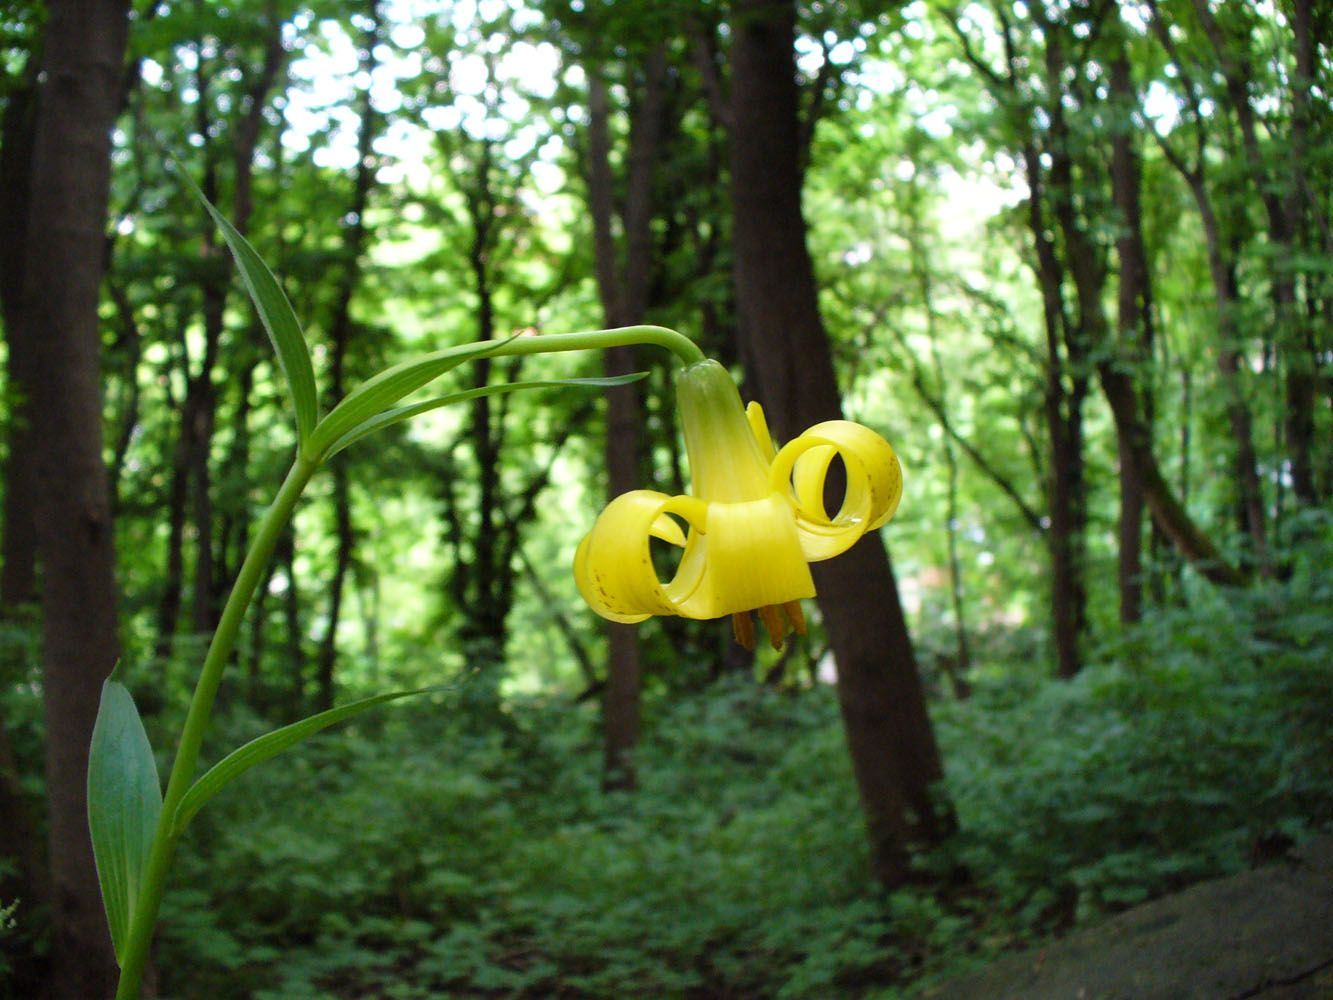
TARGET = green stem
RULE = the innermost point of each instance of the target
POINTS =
(144, 918)
(658, 336)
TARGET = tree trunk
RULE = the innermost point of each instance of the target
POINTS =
(1222, 254)
(340, 335)
(624, 296)
(894, 754)
(18, 577)
(1134, 323)
(84, 71)
(173, 577)
(294, 652)
(1294, 339)
(957, 664)
(1063, 403)
(1067, 368)
(1171, 517)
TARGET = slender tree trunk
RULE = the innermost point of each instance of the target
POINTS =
(294, 658)
(84, 71)
(130, 343)
(1175, 522)
(624, 296)
(18, 577)
(1134, 324)
(173, 577)
(340, 335)
(1222, 254)
(1063, 404)
(203, 616)
(894, 754)
(1067, 368)
(1294, 339)
(234, 532)
(959, 663)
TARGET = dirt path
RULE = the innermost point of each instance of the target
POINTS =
(1260, 935)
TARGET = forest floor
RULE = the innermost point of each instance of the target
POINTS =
(1265, 934)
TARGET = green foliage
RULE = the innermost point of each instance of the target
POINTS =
(124, 802)
(417, 856)
(1196, 747)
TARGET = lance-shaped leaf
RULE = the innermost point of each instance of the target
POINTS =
(385, 418)
(265, 747)
(124, 803)
(378, 393)
(275, 312)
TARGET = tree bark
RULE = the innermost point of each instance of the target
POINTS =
(960, 662)
(1222, 253)
(18, 577)
(1294, 339)
(1171, 517)
(1065, 390)
(894, 754)
(84, 72)
(1134, 322)
(340, 335)
(624, 297)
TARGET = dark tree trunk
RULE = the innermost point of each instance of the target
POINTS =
(294, 651)
(1134, 323)
(1067, 367)
(18, 577)
(1222, 253)
(1174, 521)
(1294, 339)
(624, 296)
(476, 589)
(1063, 398)
(173, 577)
(957, 664)
(192, 489)
(129, 346)
(894, 754)
(84, 71)
(1087, 269)
(340, 335)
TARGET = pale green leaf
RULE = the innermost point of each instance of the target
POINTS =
(385, 418)
(380, 392)
(275, 312)
(124, 803)
(265, 747)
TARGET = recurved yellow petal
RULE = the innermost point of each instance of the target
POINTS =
(738, 556)
(874, 484)
(613, 566)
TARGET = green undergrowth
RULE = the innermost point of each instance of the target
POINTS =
(412, 856)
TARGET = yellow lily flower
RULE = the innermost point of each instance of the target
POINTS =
(755, 521)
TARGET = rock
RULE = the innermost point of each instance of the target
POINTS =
(1261, 935)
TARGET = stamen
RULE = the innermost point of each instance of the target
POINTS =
(743, 627)
(772, 619)
(792, 609)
